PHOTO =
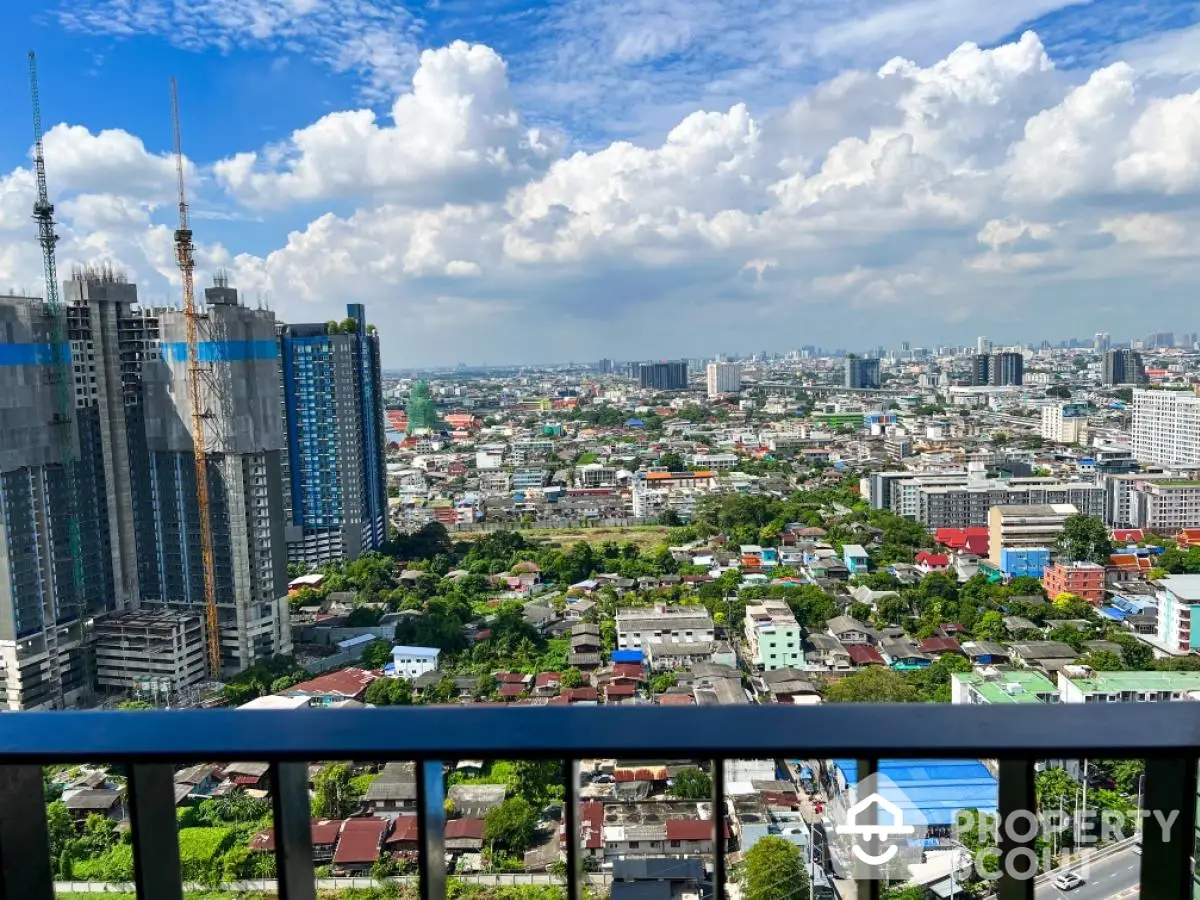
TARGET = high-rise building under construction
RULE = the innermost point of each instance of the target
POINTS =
(134, 483)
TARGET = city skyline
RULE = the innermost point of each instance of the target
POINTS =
(858, 172)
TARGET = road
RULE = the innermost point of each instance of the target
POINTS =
(1110, 878)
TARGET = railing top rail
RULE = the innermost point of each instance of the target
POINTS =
(904, 730)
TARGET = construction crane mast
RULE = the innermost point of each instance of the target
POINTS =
(61, 373)
(184, 256)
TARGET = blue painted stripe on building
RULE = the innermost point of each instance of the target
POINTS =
(30, 354)
(222, 351)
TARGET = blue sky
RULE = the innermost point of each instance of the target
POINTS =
(576, 170)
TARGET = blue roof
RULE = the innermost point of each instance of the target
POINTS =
(635, 423)
(628, 656)
(935, 788)
(1112, 612)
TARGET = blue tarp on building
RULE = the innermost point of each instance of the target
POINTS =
(935, 788)
(628, 656)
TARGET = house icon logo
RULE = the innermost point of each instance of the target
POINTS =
(877, 829)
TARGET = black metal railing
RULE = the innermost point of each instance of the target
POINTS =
(150, 744)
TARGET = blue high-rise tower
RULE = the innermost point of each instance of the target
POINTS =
(333, 411)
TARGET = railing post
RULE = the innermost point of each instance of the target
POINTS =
(293, 831)
(718, 818)
(25, 872)
(1168, 828)
(156, 869)
(431, 826)
(1018, 829)
(866, 888)
(572, 831)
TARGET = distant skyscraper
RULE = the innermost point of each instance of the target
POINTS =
(1101, 341)
(1006, 369)
(664, 376)
(605, 366)
(1124, 367)
(862, 373)
(997, 369)
(723, 378)
(983, 345)
(337, 495)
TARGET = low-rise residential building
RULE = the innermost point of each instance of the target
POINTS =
(410, 662)
(663, 624)
(1083, 579)
(995, 686)
(1179, 613)
(1081, 684)
(856, 559)
(773, 635)
(1024, 561)
(333, 687)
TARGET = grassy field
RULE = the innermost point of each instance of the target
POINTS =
(645, 537)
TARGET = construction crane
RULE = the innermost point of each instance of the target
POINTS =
(184, 256)
(61, 372)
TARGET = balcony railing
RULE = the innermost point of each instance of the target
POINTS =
(1166, 735)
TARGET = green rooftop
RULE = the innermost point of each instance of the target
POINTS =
(1016, 686)
(1139, 682)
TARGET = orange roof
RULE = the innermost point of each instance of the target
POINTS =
(660, 476)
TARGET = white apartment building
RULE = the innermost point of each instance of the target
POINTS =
(723, 378)
(594, 475)
(1065, 423)
(638, 628)
(713, 460)
(773, 635)
(409, 662)
(1166, 428)
(1168, 505)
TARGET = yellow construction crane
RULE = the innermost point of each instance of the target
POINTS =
(184, 255)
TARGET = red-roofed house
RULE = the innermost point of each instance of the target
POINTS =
(940, 646)
(586, 694)
(864, 655)
(361, 841)
(591, 829)
(464, 835)
(511, 691)
(346, 684)
(931, 562)
(324, 839)
(972, 540)
(1130, 565)
(692, 836)
(674, 700)
(1128, 535)
(512, 678)
(546, 684)
(629, 671)
(618, 691)
(406, 835)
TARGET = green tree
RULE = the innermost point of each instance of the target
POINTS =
(775, 871)
(661, 682)
(334, 796)
(511, 825)
(990, 627)
(572, 678)
(1102, 661)
(1136, 655)
(671, 460)
(389, 692)
(691, 784)
(66, 865)
(134, 705)
(873, 684)
(376, 654)
(1085, 538)
(61, 827)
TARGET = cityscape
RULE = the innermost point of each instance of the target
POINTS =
(313, 588)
